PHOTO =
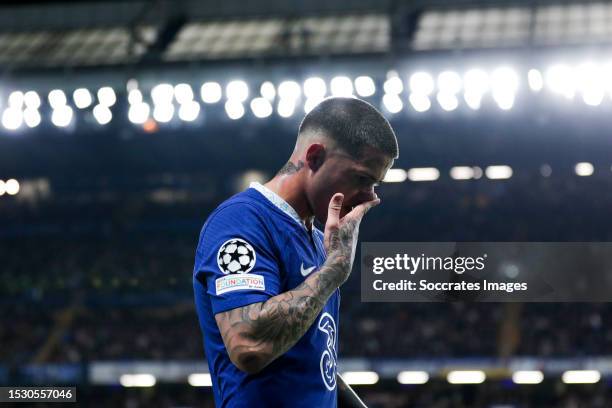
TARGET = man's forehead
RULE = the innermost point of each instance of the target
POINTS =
(375, 162)
(371, 161)
(376, 167)
(374, 158)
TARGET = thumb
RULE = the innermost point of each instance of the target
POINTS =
(333, 212)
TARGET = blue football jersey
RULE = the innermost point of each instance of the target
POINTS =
(251, 248)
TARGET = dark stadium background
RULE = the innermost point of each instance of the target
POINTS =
(97, 246)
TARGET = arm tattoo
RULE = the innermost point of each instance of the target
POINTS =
(263, 331)
(290, 168)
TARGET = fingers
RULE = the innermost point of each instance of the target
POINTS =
(335, 207)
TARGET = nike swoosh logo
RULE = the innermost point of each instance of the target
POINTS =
(305, 272)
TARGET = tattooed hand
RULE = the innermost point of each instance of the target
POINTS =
(341, 235)
(256, 334)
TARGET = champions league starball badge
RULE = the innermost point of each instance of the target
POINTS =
(236, 256)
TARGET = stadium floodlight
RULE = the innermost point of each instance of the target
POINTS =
(510, 270)
(57, 98)
(395, 176)
(137, 380)
(200, 380)
(189, 111)
(504, 84)
(535, 80)
(473, 100)
(591, 83)
(447, 101)
(12, 118)
(261, 107)
(31, 117)
(139, 113)
(32, 100)
(581, 376)
(419, 102)
(476, 83)
(449, 82)
(234, 109)
(183, 93)
(365, 86)
(421, 83)
(560, 79)
(393, 85)
(16, 99)
(311, 103)
(423, 174)
(289, 90)
(545, 170)
(131, 84)
(593, 97)
(211, 92)
(360, 377)
(341, 86)
(286, 107)
(163, 113)
(134, 96)
(162, 94)
(102, 114)
(11, 186)
(268, 91)
(2, 188)
(107, 96)
(393, 103)
(466, 377)
(413, 377)
(315, 88)
(461, 172)
(500, 172)
(584, 169)
(527, 377)
(505, 100)
(62, 116)
(237, 90)
(82, 98)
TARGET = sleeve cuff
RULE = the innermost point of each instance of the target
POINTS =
(223, 305)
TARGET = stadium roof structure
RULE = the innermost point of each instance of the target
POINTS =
(41, 35)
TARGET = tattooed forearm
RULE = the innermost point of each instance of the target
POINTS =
(290, 167)
(256, 334)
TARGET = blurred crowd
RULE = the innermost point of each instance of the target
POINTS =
(121, 288)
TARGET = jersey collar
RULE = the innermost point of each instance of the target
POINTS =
(278, 202)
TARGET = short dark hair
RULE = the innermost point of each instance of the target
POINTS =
(353, 124)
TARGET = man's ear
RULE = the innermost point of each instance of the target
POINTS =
(315, 156)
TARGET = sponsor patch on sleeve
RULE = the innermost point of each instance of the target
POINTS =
(231, 283)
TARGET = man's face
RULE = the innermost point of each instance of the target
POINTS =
(342, 173)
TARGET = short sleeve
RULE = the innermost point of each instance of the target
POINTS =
(235, 258)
